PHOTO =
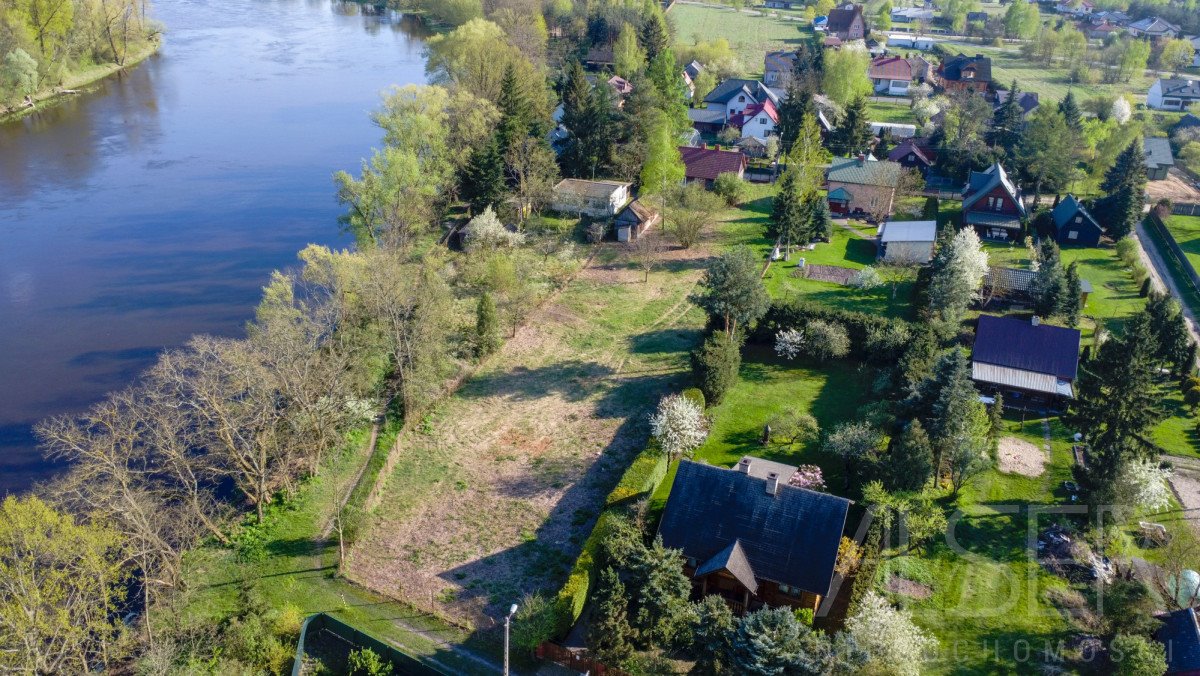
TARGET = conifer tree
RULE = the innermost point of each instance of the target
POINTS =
(910, 462)
(1050, 281)
(1007, 123)
(1124, 183)
(853, 133)
(482, 178)
(655, 37)
(712, 630)
(487, 325)
(609, 636)
(661, 593)
(996, 420)
(820, 223)
(767, 642)
(1070, 111)
(789, 218)
(792, 111)
(514, 112)
(1072, 303)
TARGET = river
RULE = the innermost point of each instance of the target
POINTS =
(155, 207)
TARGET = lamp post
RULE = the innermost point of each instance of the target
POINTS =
(507, 622)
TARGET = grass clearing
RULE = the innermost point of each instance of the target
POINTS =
(1186, 231)
(495, 492)
(898, 112)
(750, 35)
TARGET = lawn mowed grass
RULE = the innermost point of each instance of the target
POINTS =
(1051, 82)
(899, 112)
(1186, 231)
(750, 35)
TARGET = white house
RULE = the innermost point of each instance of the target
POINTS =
(598, 199)
(747, 105)
(909, 41)
(1172, 94)
(890, 75)
(896, 129)
(907, 242)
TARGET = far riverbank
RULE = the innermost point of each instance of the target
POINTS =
(89, 76)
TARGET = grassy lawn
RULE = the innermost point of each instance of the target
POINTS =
(898, 112)
(750, 35)
(830, 392)
(298, 571)
(495, 491)
(1050, 81)
(1186, 231)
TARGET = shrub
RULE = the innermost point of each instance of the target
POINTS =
(1137, 656)
(1127, 251)
(679, 426)
(826, 340)
(534, 622)
(730, 187)
(716, 365)
(793, 313)
(695, 395)
(367, 662)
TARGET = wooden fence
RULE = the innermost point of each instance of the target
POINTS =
(576, 661)
(1159, 229)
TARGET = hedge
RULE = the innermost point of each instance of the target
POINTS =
(642, 478)
(791, 312)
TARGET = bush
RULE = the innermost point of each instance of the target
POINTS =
(860, 326)
(730, 187)
(534, 623)
(695, 395)
(1127, 251)
(930, 211)
(716, 365)
(367, 662)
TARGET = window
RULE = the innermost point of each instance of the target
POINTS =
(762, 120)
(741, 99)
(1074, 234)
(1079, 219)
(991, 202)
(999, 204)
(912, 158)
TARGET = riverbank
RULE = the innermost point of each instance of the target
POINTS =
(75, 82)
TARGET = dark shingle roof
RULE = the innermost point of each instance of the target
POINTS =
(980, 183)
(840, 19)
(1158, 153)
(712, 115)
(1019, 344)
(1067, 209)
(908, 146)
(732, 559)
(1179, 88)
(1181, 637)
(791, 537)
(1187, 121)
(952, 68)
(708, 164)
(734, 86)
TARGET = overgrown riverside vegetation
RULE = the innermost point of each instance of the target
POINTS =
(46, 44)
(484, 402)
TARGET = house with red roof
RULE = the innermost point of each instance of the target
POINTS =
(891, 75)
(757, 120)
(706, 164)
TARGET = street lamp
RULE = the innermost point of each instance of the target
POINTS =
(508, 621)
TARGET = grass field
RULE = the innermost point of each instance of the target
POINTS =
(1050, 81)
(750, 35)
(896, 113)
(1186, 231)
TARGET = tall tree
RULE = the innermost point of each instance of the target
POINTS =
(844, 74)
(712, 630)
(1050, 282)
(909, 463)
(1047, 152)
(732, 289)
(664, 170)
(956, 275)
(481, 181)
(655, 36)
(1008, 122)
(609, 635)
(514, 112)
(1124, 183)
(629, 58)
(660, 590)
(853, 133)
(767, 642)
(792, 111)
(1070, 112)
(1072, 305)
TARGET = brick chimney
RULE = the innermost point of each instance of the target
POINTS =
(772, 483)
(1036, 321)
(743, 466)
(862, 159)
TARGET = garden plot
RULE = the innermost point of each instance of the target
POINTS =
(1017, 456)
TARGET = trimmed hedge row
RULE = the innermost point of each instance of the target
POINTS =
(641, 479)
(791, 312)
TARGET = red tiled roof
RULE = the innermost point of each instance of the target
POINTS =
(740, 119)
(833, 41)
(620, 84)
(708, 163)
(890, 68)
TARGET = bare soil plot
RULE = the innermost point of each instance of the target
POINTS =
(1017, 456)
(828, 273)
(497, 488)
(1175, 187)
(916, 590)
(1186, 485)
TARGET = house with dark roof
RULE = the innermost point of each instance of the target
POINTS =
(1032, 364)
(890, 75)
(1153, 28)
(966, 73)
(706, 164)
(914, 153)
(1180, 636)
(992, 204)
(1158, 158)
(1188, 121)
(777, 68)
(633, 220)
(1172, 94)
(1028, 101)
(847, 23)
(912, 14)
(750, 537)
(858, 185)
(1074, 225)
(749, 105)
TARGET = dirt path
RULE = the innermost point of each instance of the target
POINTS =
(492, 494)
(1160, 278)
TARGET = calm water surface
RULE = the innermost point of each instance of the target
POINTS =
(155, 207)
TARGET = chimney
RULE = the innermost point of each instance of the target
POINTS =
(1036, 321)
(704, 145)
(772, 483)
(862, 159)
(743, 466)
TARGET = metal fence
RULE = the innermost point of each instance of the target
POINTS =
(402, 663)
(1155, 225)
(1185, 209)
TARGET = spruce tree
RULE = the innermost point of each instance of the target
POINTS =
(1007, 123)
(712, 632)
(789, 220)
(1070, 111)
(1117, 403)
(768, 642)
(654, 36)
(610, 637)
(514, 112)
(996, 420)
(482, 179)
(578, 107)
(853, 133)
(791, 114)
(910, 462)
(820, 224)
(660, 590)
(1050, 282)
(1128, 169)
(487, 325)
(1072, 302)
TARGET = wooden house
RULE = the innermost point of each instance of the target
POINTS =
(1074, 225)
(992, 204)
(1033, 364)
(633, 221)
(750, 537)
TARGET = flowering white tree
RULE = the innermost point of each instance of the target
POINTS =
(678, 425)
(1120, 110)
(485, 231)
(867, 278)
(1142, 483)
(894, 642)
(959, 268)
(789, 343)
(808, 476)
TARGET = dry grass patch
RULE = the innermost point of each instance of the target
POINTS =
(497, 488)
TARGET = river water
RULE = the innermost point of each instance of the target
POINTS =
(155, 207)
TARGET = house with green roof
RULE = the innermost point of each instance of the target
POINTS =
(862, 185)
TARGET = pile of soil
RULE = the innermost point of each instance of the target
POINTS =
(900, 585)
(1018, 456)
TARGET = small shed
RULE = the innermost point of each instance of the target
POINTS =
(839, 201)
(1074, 225)
(633, 221)
(907, 242)
(1158, 158)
